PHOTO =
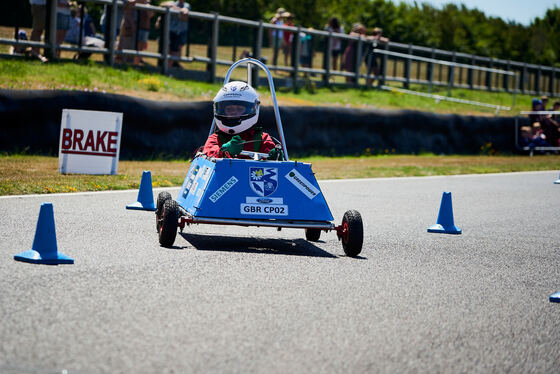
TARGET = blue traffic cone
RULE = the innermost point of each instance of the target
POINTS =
(557, 181)
(145, 199)
(555, 298)
(445, 224)
(44, 249)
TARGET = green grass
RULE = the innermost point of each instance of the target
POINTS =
(19, 74)
(93, 76)
(26, 174)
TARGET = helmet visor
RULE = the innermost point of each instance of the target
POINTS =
(234, 108)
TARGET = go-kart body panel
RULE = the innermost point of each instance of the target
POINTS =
(253, 190)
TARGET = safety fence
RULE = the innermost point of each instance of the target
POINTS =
(394, 63)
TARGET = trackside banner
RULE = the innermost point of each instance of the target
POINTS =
(89, 142)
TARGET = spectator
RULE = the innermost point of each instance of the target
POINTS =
(349, 57)
(63, 22)
(556, 108)
(306, 49)
(288, 36)
(555, 118)
(104, 19)
(335, 26)
(127, 36)
(144, 18)
(39, 13)
(371, 58)
(178, 28)
(18, 49)
(27, 51)
(551, 130)
(544, 100)
(89, 26)
(539, 138)
(73, 33)
(536, 106)
(276, 37)
(526, 139)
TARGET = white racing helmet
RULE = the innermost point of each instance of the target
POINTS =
(236, 107)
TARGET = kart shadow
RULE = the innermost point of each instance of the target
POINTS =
(291, 247)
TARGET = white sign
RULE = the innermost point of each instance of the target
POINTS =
(89, 142)
(302, 184)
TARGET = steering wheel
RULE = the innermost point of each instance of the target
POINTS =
(255, 155)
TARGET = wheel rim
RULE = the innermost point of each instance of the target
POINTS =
(161, 222)
(345, 232)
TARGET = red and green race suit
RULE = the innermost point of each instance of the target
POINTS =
(259, 142)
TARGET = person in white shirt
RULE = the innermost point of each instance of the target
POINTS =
(335, 26)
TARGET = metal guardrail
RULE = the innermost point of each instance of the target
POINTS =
(450, 84)
(530, 78)
(439, 98)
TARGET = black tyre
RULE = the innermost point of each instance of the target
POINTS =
(353, 233)
(312, 235)
(161, 199)
(169, 222)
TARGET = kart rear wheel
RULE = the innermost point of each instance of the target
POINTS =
(161, 199)
(168, 223)
(312, 235)
(352, 233)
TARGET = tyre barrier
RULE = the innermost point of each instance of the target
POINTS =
(31, 123)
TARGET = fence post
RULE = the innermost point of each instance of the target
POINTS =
(523, 79)
(451, 75)
(213, 50)
(235, 41)
(275, 40)
(112, 33)
(295, 57)
(257, 54)
(538, 80)
(384, 66)
(407, 66)
(507, 77)
(440, 72)
(431, 71)
(489, 75)
(51, 38)
(551, 82)
(80, 35)
(327, 60)
(470, 73)
(358, 62)
(165, 38)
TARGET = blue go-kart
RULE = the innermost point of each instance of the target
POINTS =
(254, 192)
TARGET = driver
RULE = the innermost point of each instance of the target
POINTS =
(236, 111)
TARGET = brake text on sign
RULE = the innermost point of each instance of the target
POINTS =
(95, 142)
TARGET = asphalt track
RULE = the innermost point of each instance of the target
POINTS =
(231, 299)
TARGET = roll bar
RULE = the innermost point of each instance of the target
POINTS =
(258, 63)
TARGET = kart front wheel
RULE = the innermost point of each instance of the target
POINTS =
(161, 199)
(312, 235)
(168, 223)
(352, 235)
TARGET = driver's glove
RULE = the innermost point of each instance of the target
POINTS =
(234, 146)
(276, 153)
